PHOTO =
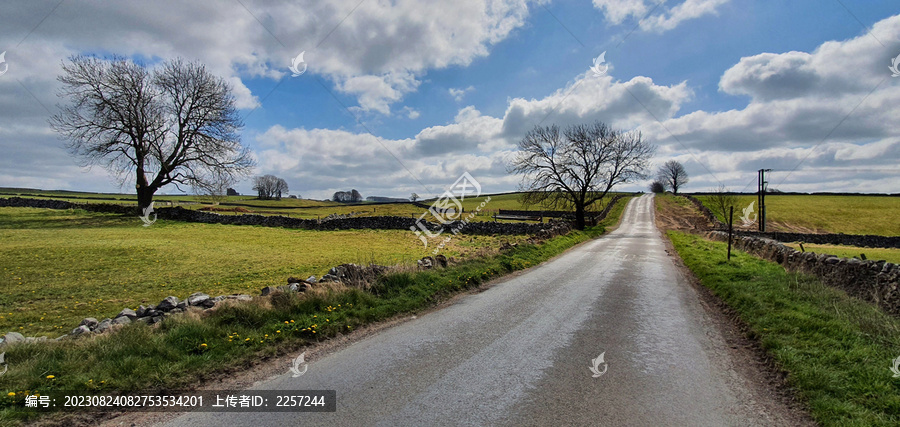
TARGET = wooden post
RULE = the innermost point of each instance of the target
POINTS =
(730, 228)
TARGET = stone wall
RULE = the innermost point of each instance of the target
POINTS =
(861, 240)
(873, 281)
(370, 222)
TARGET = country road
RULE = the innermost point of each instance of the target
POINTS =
(519, 353)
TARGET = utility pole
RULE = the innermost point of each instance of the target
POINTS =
(761, 197)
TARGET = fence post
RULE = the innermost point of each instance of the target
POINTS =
(730, 222)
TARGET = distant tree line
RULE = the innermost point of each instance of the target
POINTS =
(351, 196)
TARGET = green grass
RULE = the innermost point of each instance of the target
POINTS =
(60, 266)
(183, 351)
(874, 254)
(836, 350)
(831, 214)
(294, 208)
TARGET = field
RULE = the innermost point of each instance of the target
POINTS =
(836, 350)
(827, 214)
(183, 351)
(61, 266)
(295, 208)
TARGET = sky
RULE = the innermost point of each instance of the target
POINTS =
(402, 97)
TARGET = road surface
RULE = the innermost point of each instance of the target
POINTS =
(520, 352)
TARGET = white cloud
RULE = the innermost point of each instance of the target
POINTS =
(458, 94)
(617, 11)
(825, 106)
(411, 113)
(375, 51)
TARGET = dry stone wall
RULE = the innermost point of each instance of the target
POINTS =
(873, 281)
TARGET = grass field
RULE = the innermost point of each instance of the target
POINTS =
(875, 254)
(61, 266)
(294, 208)
(828, 214)
(183, 351)
(836, 350)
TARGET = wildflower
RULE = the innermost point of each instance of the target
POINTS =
(203, 346)
(12, 393)
(277, 332)
(50, 377)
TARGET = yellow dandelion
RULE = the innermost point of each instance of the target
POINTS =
(50, 377)
(12, 393)
(277, 332)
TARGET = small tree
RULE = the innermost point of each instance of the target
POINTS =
(721, 201)
(175, 124)
(657, 187)
(413, 197)
(577, 167)
(672, 175)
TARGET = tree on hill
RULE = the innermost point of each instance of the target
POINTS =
(413, 197)
(269, 187)
(351, 196)
(672, 175)
(657, 187)
(574, 168)
(174, 124)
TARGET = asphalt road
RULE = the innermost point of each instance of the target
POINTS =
(520, 352)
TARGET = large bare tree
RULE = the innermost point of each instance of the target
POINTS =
(672, 175)
(173, 124)
(574, 168)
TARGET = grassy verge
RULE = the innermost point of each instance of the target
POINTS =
(186, 350)
(836, 350)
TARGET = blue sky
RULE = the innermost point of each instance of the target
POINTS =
(405, 96)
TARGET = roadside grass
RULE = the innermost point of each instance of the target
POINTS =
(60, 266)
(832, 214)
(874, 254)
(837, 350)
(183, 351)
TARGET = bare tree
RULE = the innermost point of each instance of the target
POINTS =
(281, 187)
(657, 187)
(721, 200)
(413, 197)
(672, 175)
(577, 167)
(342, 197)
(175, 124)
(269, 187)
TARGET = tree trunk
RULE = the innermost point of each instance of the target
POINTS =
(579, 217)
(145, 196)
